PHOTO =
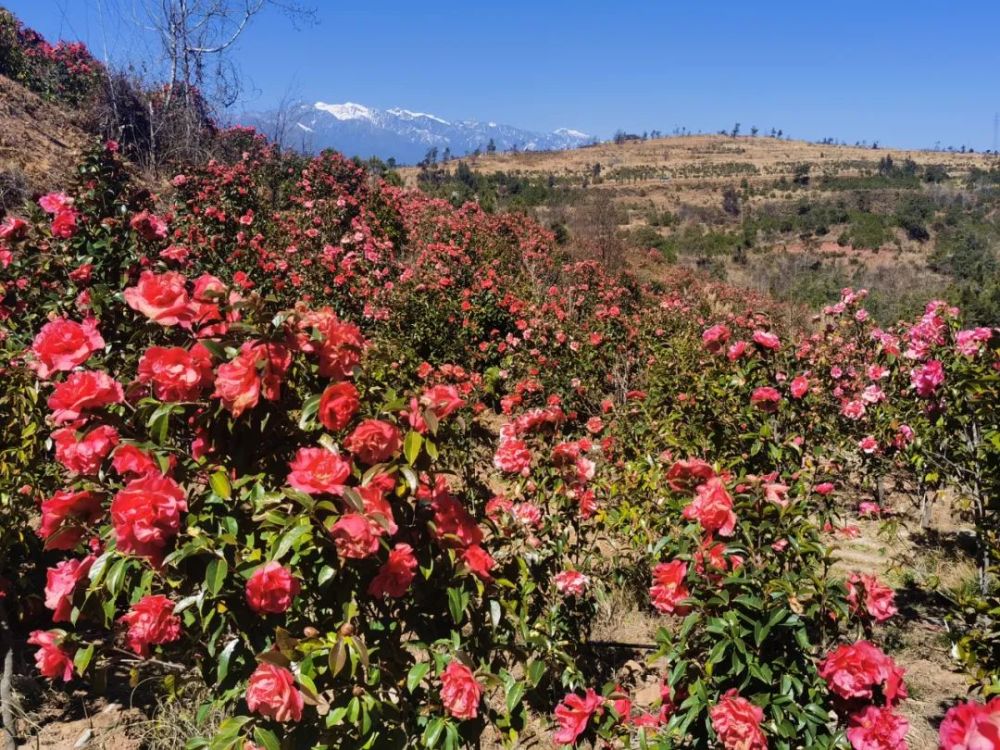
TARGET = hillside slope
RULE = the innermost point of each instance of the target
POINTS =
(40, 142)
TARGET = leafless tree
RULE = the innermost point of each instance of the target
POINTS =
(197, 36)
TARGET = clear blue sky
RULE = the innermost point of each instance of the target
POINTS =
(904, 73)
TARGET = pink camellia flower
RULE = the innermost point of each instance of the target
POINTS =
(868, 445)
(927, 378)
(574, 713)
(799, 386)
(876, 728)
(356, 536)
(396, 574)
(61, 583)
(853, 410)
(766, 340)
(776, 493)
(824, 488)
(852, 670)
(237, 382)
(146, 515)
(970, 343)
(53, 203)
(715, 338)
(571, 582)
(271, 588)
(176, 373)
(460, 693)
(878, 602)
(63, 517)
(443, 400)
(374, 441)
(766, 399)
(869, 509)
(84, 455)
(13, 228)
(736, 722)
(971, 726)
(736, 350)
(271, 692)
(669, 590)
(338, 405)
(513, 457)
(151, 622)
(63, 344)
(82, 391)
(51, 659)
(162, 298)
(712, 507)
(319, 471)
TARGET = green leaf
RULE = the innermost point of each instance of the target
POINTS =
(215, 574)
(224, 657)
(81, 659)
(411, 446)
(514, 696)
(266, 738)
(433, 732)
(220, 484)
(416, 674)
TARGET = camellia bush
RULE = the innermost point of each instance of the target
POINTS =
(361, 469)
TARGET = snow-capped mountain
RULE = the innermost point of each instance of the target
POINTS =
(357, 130)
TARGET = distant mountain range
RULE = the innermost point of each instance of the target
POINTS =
(357, 130)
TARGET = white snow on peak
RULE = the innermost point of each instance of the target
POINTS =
(571, 133)
(411, 115)
(346, 111)
(491, 124)
(304, 127)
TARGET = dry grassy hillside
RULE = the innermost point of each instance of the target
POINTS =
(39, 143)
(757, 211)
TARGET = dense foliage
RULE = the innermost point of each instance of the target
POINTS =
(369, 465)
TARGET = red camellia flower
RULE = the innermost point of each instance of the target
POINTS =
(877, 728)
(853, 669)
(460, 693)
(686, 474)
(573, 715)
(799, 386)
(237, 383)
(82, 391)
(712, 507)
(52, 661)
(878, 602)
(162, 298)
(338, 405)
(478, 561)
(271, 692)
(766, 399)
(356, 536)
(84, 455)
(319, 471)
(339, 347)
(927, 378)
(61, 583)
(176, 373)
(513, 457)
(64, 344)
(971, 726)
(736, 722)
(146, 515)
(271, 588)
(64, 223)
(149, 226)
(129, 459)
(669, 590)
(443, 400)
(374, 441)
(151, 622)
(62, 515)
(396, 574)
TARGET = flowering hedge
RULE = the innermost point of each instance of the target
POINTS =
(372, 466)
